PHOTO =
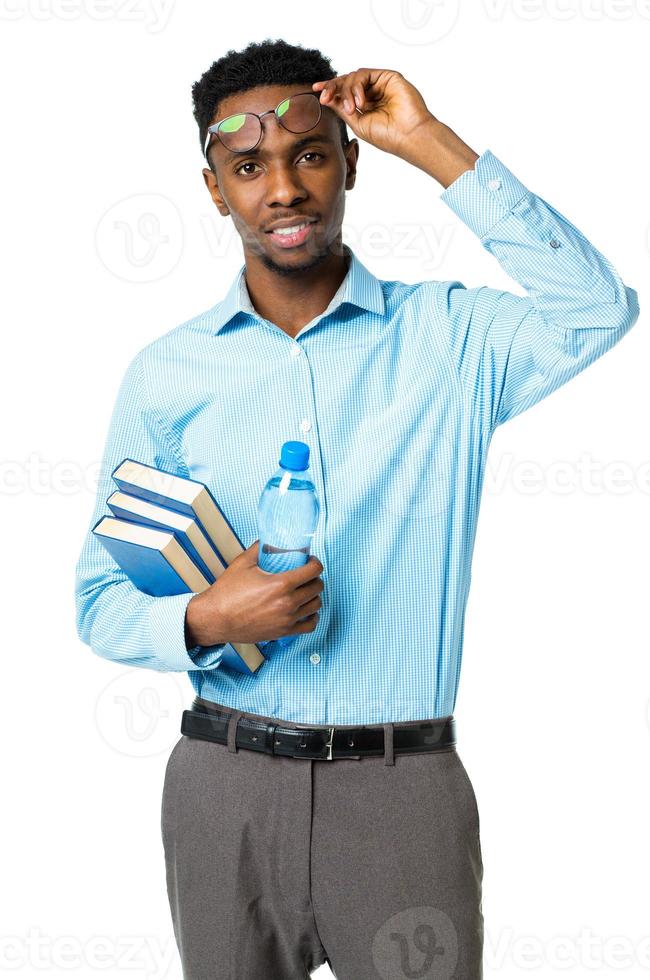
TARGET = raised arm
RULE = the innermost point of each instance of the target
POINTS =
(509, 351)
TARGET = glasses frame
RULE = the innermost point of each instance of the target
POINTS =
(214, 129)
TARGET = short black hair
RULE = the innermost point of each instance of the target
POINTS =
(268, 62)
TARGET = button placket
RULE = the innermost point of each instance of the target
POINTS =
(315, 463)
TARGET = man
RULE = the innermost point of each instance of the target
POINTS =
(318, 810)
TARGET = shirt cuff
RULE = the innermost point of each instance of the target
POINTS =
(206, 657)
(484, 194)
(167, 623)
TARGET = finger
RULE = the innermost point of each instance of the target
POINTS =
(333, 88)
(321, 86)
(368, 84)
(305, 625)
(252, 552)
(354, 89)
(308, 608)
(328, 92)
(335, 100)
(304, 573)
(348, 102)
(350, 94)
(306, 593)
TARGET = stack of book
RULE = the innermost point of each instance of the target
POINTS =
(170, 536)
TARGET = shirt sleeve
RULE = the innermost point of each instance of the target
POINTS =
(116, 619)
(511, 351)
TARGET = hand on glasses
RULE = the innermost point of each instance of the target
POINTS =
(379, 106)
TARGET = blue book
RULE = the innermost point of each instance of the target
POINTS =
(188, 532)
(189, 497)
(154, 560)
(158, 564)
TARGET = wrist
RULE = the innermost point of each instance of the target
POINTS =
(435, 148)
(190, 639)
(200, 627)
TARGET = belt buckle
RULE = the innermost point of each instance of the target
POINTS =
(328, 743)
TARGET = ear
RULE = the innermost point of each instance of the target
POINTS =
(213, 189)
(351, 153)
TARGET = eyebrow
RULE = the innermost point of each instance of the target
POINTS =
(298, 145)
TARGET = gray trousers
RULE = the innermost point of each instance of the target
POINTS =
(276, 865)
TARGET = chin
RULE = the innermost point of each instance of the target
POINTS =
(296, 264)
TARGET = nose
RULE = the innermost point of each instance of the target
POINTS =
(283, 185)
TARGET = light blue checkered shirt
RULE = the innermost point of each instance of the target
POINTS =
(397, 389)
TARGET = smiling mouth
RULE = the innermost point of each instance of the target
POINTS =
(290, 237)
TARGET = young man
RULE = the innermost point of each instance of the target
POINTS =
(328, 816)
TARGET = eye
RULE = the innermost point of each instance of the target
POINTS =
(251, 163)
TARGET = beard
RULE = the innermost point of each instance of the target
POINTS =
(295, 269)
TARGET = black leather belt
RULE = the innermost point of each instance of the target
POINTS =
(318, 741)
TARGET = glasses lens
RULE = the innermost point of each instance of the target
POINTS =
(299, 113)
(240, 132)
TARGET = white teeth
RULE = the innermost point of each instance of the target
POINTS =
(289, 231)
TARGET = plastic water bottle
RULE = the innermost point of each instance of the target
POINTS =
(287, 515)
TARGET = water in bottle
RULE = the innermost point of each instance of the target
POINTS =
(287, 515)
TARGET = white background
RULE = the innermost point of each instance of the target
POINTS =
(553, 705)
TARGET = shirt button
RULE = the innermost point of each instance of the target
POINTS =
(295, 350)
(305, 425)
(494, 184)
(554, 243)
(315, 658)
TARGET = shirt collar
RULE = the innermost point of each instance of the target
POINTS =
(359, 287)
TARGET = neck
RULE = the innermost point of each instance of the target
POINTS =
(292, 298)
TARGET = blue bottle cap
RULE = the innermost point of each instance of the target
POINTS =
(294, 456)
